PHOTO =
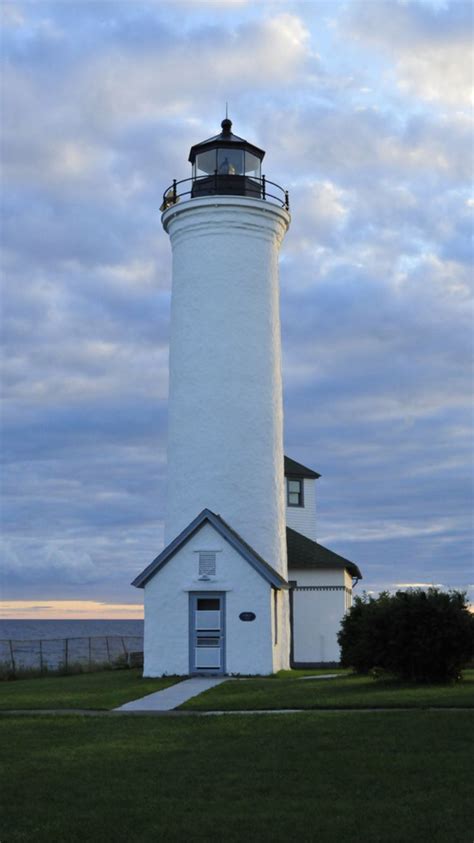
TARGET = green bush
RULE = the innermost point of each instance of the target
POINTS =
(420, 635)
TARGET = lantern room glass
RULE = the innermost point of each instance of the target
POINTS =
(252, 165)
(230, 162)
(227, 161)
(205, 163)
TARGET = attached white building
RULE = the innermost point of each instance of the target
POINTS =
(217, 599)
(320, 580)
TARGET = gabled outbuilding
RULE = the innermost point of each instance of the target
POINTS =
(213, 605)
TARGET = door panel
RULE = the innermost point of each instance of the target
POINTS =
(207, 657)
(208, 620)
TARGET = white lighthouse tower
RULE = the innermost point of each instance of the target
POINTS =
(216, 598)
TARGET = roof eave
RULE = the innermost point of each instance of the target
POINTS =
(260, 565)
(293, 468)
(334, 559)
(223, 142)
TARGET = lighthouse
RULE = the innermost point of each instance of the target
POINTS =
(225, 441)
(242, 585)
(216, 598)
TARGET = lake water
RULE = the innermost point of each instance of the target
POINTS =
(36, 629)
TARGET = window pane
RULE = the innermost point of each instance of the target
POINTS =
(208, 604)
(230, 162)
(294, 499)
(252, 165)
(294, 485)
(208, 620)
(206, 163)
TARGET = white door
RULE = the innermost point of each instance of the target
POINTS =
(206, 644)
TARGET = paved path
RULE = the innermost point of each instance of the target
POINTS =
(173, 696)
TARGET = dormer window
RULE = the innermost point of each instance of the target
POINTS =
(294, 492)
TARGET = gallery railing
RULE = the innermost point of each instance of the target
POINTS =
(226, 185)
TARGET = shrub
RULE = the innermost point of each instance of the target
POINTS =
(420, 635)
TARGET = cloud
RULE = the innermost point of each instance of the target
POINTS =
(417, 585)
(430, 45)
(64, 561)
(101, 103)
(241, 56)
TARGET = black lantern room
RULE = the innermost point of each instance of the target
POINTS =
(226, 164)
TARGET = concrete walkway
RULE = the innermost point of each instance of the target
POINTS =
(172, 697)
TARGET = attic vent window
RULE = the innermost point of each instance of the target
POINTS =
(207, 564)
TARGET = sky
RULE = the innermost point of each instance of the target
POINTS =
(364, 111)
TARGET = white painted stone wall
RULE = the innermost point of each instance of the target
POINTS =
(250, 647)
(317, 617)
(225, 442)
(303, 518)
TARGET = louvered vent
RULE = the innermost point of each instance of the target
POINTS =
(207, 564)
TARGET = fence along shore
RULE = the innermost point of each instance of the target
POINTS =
(67, 654)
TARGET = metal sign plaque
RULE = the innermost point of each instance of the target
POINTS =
(247, 616)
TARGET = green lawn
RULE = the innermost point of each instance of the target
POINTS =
(107, 689)
(347, 691)
(111, 688)
(404, 777)
(318, 671)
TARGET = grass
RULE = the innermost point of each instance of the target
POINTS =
(319, 671)
(330, 776)
(104, 690)
(343, 692)
(112, 688)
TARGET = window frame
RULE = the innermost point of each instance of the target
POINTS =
(300, 480)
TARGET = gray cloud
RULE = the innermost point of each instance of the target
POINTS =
(430, 45)
(101, 103)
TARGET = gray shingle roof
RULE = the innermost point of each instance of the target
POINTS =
(305, 553)
(296, 469)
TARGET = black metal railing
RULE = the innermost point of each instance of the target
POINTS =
(226, 185)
